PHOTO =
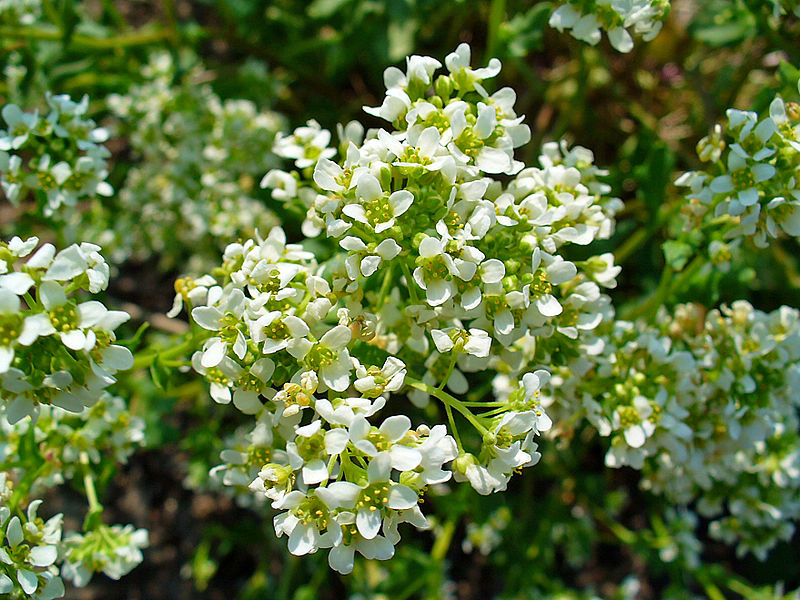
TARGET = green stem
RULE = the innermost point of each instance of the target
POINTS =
(387, 282)
(25, 484)
(669, 283)
(410, 283)
(438, 553)
(142, 37)
(711, 590)
(145, 360)
(114, 15)
(453, 427)
(632, 244)
(447, 400)
(32, 304)
(497, 13)
(95, 508)
(450, 369)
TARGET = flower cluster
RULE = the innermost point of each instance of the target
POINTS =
(442, 275)
(618, 18)
(28, 551)
(57, 155)
(706, 406)
(113, 550)
(68, 442)
(199, 157)
(40, 315)
(751, 188)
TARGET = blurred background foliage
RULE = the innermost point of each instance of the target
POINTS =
(569, 528)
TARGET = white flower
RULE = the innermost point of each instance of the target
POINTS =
(386, 439)
(20, 125)
(465, 77)
(363, 262)
(343, 411)
(374, 381)
(477, 342)
(306, 145)
(634, 422)
(374, 208)
(743, 179)
(329, 356)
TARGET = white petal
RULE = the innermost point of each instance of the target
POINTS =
(247, 401)
(370, 264)
(492, 271)
(337, 337)
(442, 340)
(17, 283)
(315, 471)
(27, 580)
(395, 427)
(339, 494)
(303, 540)
(337, 375)
(43, 556)
(341, 559)
(635, 436)
(74, 340)
(208, 317)
(402, 497)
(387, 249)
(368, 523)
(400, 201)
(549, 306)
(336, 441)
(438, 292)
(325, 174)
(214, 353)
(404, 458)
(369, 188)
(67, 264)
(620, 39)
(379, 467)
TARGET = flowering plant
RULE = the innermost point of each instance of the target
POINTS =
(410, 309)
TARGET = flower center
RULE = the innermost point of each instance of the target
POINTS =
(313, 511)
(9, 329)
(374, 497)
(320, 356)
(258, 456)
(628, 416)
(64, 317)
(743, 179)
(378, 210)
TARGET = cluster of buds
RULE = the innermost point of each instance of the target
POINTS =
(57, 156)
(41, 316)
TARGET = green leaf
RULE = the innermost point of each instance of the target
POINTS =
(677, 254)
(159, 373)
(525, 31)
